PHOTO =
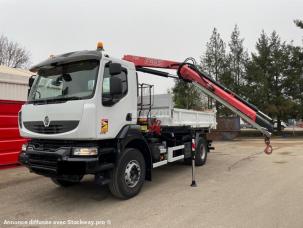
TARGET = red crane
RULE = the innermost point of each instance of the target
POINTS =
(191, 73)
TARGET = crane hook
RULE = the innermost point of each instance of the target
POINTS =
(268, 149)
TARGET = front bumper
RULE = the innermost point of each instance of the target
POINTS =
(61, 163)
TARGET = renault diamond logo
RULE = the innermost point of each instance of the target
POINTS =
(46, 122)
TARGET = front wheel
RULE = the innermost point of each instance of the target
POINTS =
(128, 176)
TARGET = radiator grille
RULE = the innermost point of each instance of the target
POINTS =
(55, 127)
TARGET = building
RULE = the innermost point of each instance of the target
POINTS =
(13, 93)
(13, 83)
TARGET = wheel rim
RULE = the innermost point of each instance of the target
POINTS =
(203, 154)
(132, 173)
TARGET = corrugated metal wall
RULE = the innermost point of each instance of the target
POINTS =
(10, 140)
(13, 91)
(13, 87)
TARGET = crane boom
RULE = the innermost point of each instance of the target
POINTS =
(191, 73)
(141, 61)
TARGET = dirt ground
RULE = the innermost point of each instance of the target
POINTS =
(238, 187)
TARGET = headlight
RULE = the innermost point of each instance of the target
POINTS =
(90, 151)
(24, 147)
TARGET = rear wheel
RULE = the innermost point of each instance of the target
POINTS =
(128, 176)
(66, 182)
(201, 153)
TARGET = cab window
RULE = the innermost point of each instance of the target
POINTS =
(108, 99)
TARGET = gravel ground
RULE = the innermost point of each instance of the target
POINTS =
(238, 187)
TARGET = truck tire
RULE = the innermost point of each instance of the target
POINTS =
(66, 183)
(128, 176)
(201, 154)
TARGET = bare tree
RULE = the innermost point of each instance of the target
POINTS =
(12, 54)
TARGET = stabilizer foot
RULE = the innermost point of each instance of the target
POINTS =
(193, 184)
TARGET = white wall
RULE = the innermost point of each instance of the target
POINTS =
(13, 84)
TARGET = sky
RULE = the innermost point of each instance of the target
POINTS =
(167, 29)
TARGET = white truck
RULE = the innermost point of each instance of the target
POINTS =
(83, 117)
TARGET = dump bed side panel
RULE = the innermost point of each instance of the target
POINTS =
(181, 117)
(162, 108)
(194, 118)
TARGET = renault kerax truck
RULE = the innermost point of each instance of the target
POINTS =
(87, 114)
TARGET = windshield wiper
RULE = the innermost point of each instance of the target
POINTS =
(69, 98)
(56, 100)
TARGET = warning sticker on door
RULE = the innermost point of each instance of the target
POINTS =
(104, 126)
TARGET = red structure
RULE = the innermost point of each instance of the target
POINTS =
(10, 140)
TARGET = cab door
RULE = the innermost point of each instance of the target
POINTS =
(118, 99)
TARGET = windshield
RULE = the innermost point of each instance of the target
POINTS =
(66, 82)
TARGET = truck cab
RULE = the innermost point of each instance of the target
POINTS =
(71, 98)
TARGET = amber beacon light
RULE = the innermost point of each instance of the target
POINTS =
(100, 45)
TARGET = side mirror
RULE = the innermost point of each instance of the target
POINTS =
(30, 83)
(66, 77)
(115, 68)
(31, 80)
(115, 86)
